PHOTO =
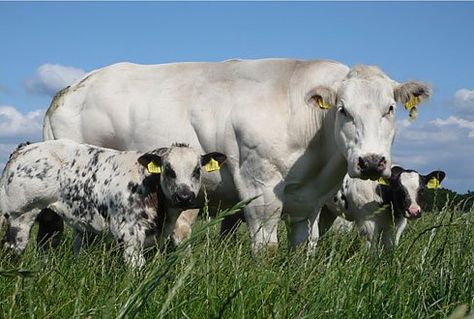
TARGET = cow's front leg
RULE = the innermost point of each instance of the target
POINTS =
(18, 230)
(263, 215)
(302, 231)
(133, 253)
(183, 227)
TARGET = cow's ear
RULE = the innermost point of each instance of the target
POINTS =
(212, 161)
(152, 162)
(410, 94)
(433, 180)
(395, 172)
(321, 97)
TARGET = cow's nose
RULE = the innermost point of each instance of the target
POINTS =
(414, 211)
(372, 166)
(184, 198)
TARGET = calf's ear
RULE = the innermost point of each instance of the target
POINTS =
(152, 162)
(212, 161)
(433, 180)
(322, 96)
(410, 94)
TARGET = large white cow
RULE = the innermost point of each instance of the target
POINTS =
(291, 129)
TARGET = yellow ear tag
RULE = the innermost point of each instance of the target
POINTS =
(383, 181)
(323, 105)
(153, 168)
(213, 165)
(433, 183)
(413, 102)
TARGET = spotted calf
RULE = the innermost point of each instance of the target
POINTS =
(135, 197)
(381, 208)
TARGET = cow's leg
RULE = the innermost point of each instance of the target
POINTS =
(81, 239)
(298, 231)
(326, 220)
(18, 231)
(400, 228)
(368, 229)
(50, 229)
(230, 224)
(183, 228)
(263, 215)
(134, 241)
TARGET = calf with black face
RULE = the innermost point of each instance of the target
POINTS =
(381, 208)
(135, 197)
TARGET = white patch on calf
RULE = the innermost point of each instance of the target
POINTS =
(411, 182)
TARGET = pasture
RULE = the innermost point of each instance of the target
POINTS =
(428, 275)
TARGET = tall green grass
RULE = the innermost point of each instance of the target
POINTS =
(429, 275)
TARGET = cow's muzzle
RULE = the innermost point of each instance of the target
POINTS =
(184, 198)
(372, 166)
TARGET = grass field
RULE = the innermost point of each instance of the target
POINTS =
(429, 275)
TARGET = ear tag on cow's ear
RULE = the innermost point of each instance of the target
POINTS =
(153, 168)
(383, 181)
(411, 106)
(433, 183)
(213, 165)
(322, 104)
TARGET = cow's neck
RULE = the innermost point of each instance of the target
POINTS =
(319, 171)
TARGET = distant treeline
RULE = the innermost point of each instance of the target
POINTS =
(439, 198)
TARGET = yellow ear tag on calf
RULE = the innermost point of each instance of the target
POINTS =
(213, 165)
(383, 181)
(433, 183)
(323, 104)
(153, 168)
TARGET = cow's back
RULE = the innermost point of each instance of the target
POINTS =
(208, 105)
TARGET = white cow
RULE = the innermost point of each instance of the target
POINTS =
(380, 211)
(291, 129)
(135, 197)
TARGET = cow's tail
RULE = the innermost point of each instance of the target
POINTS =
(58, 100)
(47, 129)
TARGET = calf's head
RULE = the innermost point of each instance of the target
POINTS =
(406, 188)
(365, 104)
(180, 169)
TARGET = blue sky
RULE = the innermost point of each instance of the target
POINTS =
(44, 46)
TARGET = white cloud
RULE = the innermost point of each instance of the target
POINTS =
(16, 126)
(464, 103)
(456, 122)
(446, 144)
(50, 78)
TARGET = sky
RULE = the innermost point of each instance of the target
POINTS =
(45, 46)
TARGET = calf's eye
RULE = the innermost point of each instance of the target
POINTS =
(169, 172)
(390, 111)
(197, 173)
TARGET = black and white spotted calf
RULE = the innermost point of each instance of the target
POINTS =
(135, 197)
(381, 209)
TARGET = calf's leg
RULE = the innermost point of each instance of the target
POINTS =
(50, 229)
(18, 231)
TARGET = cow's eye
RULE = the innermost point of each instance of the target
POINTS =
(342, 110)
(197, 172)
(169, 172)
(390, 111)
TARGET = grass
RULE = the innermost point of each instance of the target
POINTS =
(429, 275)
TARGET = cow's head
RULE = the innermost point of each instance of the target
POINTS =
(180, 169)
(406, 188)
(365, 104)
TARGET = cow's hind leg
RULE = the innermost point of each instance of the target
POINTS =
(81, 239)
(18, 231)
(50, 229)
